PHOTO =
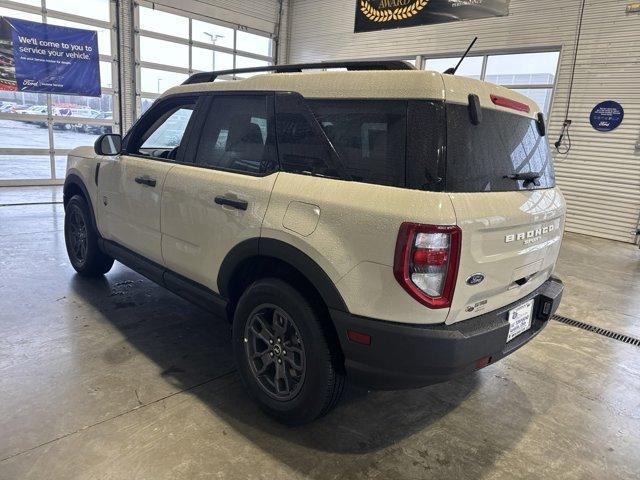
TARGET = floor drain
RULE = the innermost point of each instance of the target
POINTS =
(599, 330)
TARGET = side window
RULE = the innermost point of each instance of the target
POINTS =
(302, 147)
(368, 135)
(160, 134)
(170, 132)
(238, 134)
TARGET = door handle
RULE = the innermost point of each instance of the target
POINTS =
(151, 182)
(232, 202)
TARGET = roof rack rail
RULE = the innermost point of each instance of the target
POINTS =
(299, 67)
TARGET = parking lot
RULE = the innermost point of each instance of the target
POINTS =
(29, 135)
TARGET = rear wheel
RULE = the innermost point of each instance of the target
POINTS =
(81, 240)
(284, 356)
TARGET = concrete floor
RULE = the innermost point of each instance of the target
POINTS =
(118, 379)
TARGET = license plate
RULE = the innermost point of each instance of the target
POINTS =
(520, 319)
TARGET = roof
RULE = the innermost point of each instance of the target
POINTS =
(370, 84)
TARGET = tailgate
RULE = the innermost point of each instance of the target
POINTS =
(512, 239)
(501, 182)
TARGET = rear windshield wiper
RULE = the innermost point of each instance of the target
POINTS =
(528, 177)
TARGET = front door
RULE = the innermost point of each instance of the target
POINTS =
(130, 186)
(219, 201)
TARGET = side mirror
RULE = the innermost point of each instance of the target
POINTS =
(540, 125)
(108, 144)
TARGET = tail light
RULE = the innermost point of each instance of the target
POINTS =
(426, 262)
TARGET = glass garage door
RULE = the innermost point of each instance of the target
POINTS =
(171, 46)
(38, 130)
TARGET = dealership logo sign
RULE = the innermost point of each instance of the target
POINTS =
(385, 14)
(391, 9)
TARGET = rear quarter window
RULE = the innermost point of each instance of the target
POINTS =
(369, 137)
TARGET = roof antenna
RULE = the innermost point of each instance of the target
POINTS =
(453, 70)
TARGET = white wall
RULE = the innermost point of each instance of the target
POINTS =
(257, 14)
(601, 175)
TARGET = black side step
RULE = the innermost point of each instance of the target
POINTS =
(174, 282)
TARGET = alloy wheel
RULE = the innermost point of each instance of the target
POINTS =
(275, 351)
(78, 238)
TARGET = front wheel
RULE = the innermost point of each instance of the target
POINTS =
(285, 358)
(81, 240)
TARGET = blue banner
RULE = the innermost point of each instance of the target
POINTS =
(35, 57)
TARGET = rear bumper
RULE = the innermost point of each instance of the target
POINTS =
(409, 356)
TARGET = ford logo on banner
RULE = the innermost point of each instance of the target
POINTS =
(35, 57)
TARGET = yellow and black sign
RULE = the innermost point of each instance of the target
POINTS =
(383, 14)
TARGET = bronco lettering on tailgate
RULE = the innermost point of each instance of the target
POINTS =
(529, 236)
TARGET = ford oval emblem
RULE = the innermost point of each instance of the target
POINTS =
(475, 279)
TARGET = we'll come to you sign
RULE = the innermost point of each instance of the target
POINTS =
(36, 57)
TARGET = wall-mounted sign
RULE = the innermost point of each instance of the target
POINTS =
(384, 14)
(606, 116)
(35, 57)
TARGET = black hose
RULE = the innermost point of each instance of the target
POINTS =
(567, 123)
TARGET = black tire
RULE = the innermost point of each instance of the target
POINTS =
(321, 380)
(81, 240)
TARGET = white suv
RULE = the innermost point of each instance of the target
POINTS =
(392, 226)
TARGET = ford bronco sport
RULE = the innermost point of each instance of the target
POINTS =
(388, 225)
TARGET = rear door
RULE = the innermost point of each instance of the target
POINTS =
(213, 205)
(511, 222)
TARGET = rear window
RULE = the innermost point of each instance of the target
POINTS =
(368, 136)
(481, 158)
